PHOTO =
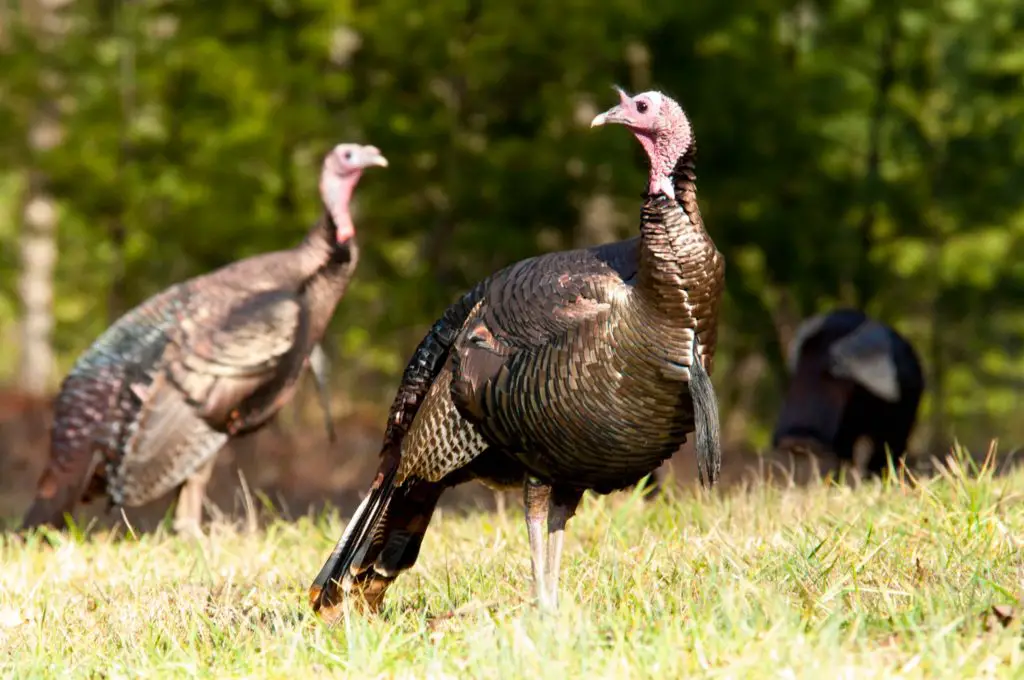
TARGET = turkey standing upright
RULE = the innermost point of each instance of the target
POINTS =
(569, 371)
(150, 404)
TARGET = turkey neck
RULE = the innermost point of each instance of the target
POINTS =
(673, 244)
(326, 267)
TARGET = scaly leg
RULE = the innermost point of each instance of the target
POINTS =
(564, 501)
(537, 496)
(188, 514)
(320, 367)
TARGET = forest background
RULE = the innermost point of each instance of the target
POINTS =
(855, 152)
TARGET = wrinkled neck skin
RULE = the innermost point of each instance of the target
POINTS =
(331, 243)
(659, 177)
(336, 192)
(663, 152)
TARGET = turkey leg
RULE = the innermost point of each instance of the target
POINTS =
(537, 498)
(320, 367)
(563, 506)
(189, 513)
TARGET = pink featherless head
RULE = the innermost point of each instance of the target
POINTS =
(661, 127)
(342, 169)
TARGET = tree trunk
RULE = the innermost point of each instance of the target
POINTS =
(38, 256)
(597, 222)
(38, 240)
(117, 296)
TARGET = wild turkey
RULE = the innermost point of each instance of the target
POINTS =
(852, 377)
(564, 372)
(150, 404)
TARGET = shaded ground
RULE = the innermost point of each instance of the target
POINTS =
(291, 464)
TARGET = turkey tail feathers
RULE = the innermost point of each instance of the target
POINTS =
(324, 594)
(707, 436)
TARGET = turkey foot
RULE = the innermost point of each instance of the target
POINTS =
(564, 501)
(189, 513)
(537, 498)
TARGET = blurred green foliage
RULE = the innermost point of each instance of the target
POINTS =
(851, 152)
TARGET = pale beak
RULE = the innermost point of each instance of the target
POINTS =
(616, 114)
(371, 155)
(612, 115)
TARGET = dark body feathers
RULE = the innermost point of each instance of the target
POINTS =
(160, 392)
(570, 368)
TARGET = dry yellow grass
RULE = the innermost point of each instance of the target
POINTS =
(820, 582)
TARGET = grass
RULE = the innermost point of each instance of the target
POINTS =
(821, 582)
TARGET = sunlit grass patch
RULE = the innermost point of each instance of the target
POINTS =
(884, 580)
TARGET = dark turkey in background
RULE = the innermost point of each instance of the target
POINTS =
(851, 377)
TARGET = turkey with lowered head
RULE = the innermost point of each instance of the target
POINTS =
(851, 378)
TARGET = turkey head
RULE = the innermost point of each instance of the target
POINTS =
(341, 172)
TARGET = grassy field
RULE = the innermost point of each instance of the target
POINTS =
(819, 582)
